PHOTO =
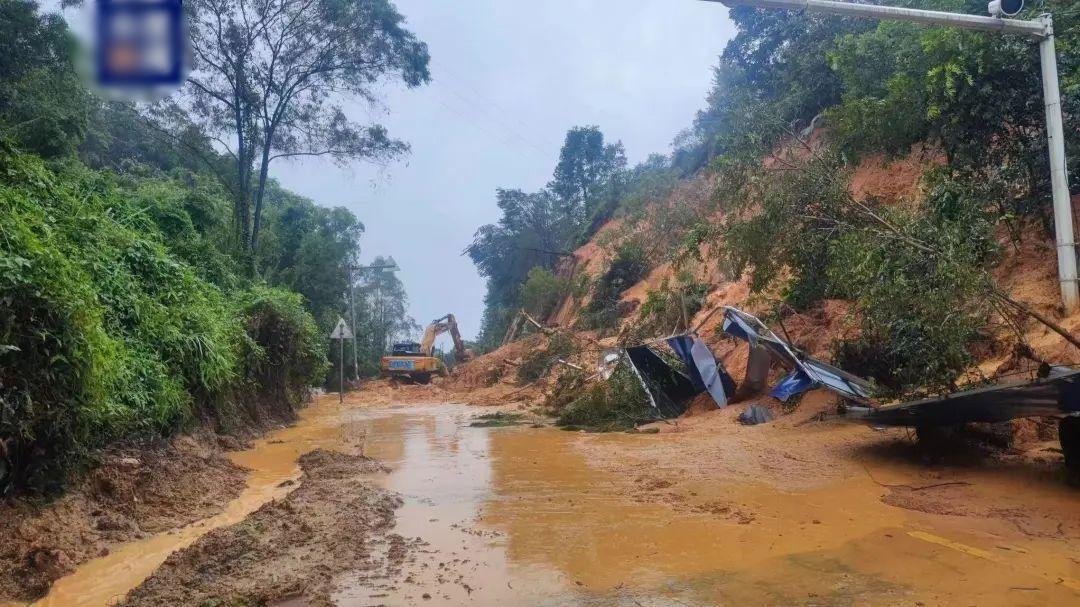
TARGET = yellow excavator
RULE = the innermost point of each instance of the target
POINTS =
(415, 362)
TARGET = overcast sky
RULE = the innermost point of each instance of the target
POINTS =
(509, 78)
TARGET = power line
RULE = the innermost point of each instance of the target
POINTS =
(465, 82)
(502, 125)
(478, 124)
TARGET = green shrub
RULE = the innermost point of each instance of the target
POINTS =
(918, 276)
(541, 292)
(922, 295)
(105, 335)
(286, 351)
(537, 363)
(620, 403)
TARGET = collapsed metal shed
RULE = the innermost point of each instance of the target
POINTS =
(1058, 394)
(807, 372)
(670, 388)
(1055, 395)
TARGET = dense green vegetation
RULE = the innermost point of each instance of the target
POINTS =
(620, 403)
(813, 94)
(919, 275)
(132, 301)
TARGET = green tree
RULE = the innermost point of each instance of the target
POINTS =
(586, 163)
(536, 230)
(269, 76)
(382, 315)
(774, 72)
(125, 140)
(43, 104)
(530, 233)
(541, 292)
(311, 250)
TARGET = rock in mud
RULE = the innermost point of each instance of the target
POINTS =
(292, 548)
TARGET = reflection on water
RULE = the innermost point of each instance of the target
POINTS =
(516, 516)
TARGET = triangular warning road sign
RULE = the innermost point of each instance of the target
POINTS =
(341, 331)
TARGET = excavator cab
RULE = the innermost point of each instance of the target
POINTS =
(407, 348)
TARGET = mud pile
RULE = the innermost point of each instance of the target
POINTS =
(130, 495)
(492, 379)
(290, 549)
(384, 392)
(493, 367)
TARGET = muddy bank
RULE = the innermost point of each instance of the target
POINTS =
(290, 549)
(130, 495)
(1016, 489)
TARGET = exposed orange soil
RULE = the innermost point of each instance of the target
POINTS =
(893, 180)
(639, 292)
(590, 260)
(131, 494)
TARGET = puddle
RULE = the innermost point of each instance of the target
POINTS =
(517, 516)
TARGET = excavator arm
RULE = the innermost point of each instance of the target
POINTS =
(446, 324)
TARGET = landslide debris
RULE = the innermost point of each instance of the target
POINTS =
(290, 549)
(132, 493)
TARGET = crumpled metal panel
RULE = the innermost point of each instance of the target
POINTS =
(808, 373)
(705, 371)
(1055, 395)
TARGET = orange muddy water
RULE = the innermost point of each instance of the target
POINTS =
(516, 516)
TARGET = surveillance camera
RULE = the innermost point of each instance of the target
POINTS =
(1005, 8)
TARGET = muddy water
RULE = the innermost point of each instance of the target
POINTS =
(272, 462)
(517, 516)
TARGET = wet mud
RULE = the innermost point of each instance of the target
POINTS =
(815, 515)
(290, 549)
(129, 495)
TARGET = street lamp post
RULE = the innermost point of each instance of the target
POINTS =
(1041, 30)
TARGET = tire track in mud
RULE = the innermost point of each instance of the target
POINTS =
(290, 550)
(132, 494)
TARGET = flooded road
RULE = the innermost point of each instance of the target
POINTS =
(519, 516)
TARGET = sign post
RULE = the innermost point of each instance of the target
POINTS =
(341, 332)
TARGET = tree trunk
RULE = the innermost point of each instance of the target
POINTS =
(1032, 312)
(242, 203)
(264, 169)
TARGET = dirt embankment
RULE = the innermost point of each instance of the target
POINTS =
(1026, 269)
(290, 551)
(130, 495)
